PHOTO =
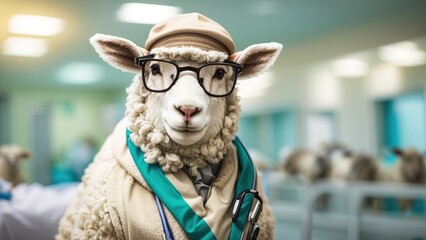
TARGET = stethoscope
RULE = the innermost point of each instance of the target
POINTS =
(253, 216)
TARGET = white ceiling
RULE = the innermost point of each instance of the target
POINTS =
(310, 31)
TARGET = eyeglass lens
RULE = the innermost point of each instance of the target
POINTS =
(159, 75)
(216, 79)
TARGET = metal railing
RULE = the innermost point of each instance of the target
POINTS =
(355, 192)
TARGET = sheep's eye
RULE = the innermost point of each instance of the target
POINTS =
(219, 74)
(155, 69)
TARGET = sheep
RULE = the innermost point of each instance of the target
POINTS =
(313, 165)
(410, 168)
(358, 167)
(306, 163)
(364, 168)
(184, 120)
(10, 158)
(355, 167)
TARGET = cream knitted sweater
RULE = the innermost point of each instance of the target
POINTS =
(114, 201)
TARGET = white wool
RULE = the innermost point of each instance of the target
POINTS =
(94, 220)
(341, 168)
(307, 165)
(151, 136)
(157, 137)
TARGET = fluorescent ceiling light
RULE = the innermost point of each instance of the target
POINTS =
(255, 87)
(80, 73)
(403, 54)
(349, 68)
(146, 13)
(25, 47)
(35, 25)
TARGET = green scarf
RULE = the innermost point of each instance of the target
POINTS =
(194, 226)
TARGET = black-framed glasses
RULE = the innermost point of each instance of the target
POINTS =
(254, 214)
(217, 79)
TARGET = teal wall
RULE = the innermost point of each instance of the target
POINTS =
(410, 110)
(248, 130)
(404, 122)
(269, 132)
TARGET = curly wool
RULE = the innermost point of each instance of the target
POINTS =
(94, 221)
(155, 142)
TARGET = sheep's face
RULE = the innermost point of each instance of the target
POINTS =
(10, 157)
(411, 165)
(185, 110)
(172, 114)
(12, 154)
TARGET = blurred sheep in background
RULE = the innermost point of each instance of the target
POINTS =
(29, 210)
(10, 158)
(335, 162)
(410, 168)
(355, 167)
(313, 165)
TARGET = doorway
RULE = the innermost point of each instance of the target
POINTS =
(402, 123)
(4, 118)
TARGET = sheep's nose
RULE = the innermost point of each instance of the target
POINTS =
(188, 112)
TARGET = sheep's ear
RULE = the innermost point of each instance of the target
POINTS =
(398, 151)
(118, 52)
(257, 58)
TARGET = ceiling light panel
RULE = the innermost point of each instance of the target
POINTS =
(146, 13)
(403, 54)
(80, 73)
(35, 25)
(349, 68)
(25, 47)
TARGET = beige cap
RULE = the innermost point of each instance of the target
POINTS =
(192, 29)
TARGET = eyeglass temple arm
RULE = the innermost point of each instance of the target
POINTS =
(136, 59)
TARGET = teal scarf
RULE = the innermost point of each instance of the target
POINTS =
(194, 226)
